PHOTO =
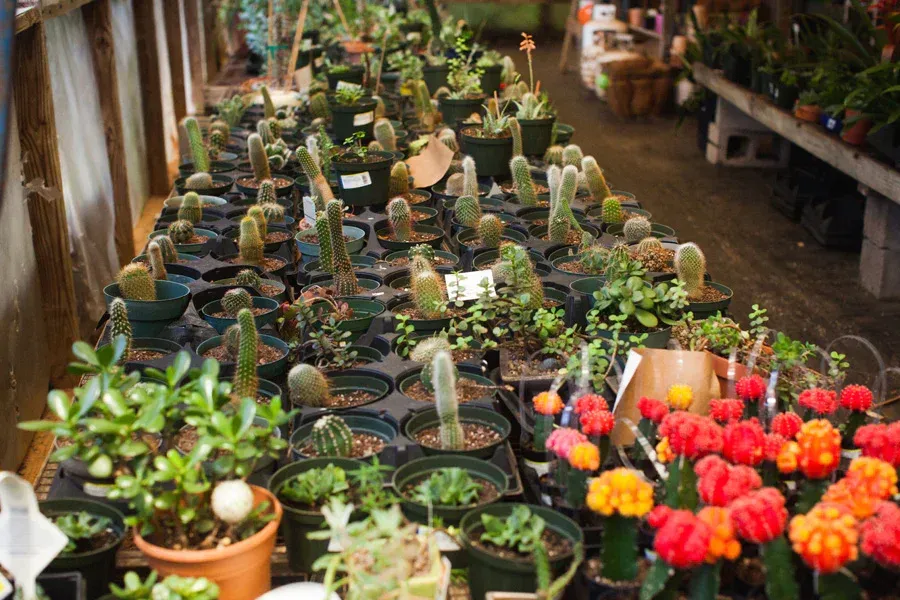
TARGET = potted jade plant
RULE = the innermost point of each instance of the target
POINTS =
(464, 95)
(364, 176)
(491, 143)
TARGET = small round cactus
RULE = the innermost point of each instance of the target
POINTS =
(250, 244)
(231, 339)
(249, 278)
(554, 155)
(490, 230)
(572, 155)
(399, 183)
(136, 283)
(375, 146)
(636, 229)
(308, 386)
(181, 231)
(318, 106)
(331, 436)
(265, 193)
(384, 134)
(468, 211)
(400, 219)
(273, 213)
(190, 209)
(256, 150)
(119, 324)
(456, 185)
(649, 244)
(157, 263)
(424, 352)
(256, 213)
(690, 266)
(611, 212)
(169, 254)
(429, 294)
(246, 382)
(235, 300)
(198, 181)
(232, 501)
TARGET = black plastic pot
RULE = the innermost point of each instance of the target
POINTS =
(491, 78)
(785, 95)
(471, 372)
(63, 586)
(564, 133)
(468, 413)
(358, 423)
(221, 184)
(353, 74)
(436, 233)
(364, 310)
(491, 155)
(459, 109)
(347, 120)
(536, 135)
(701, 310)
(96, 567)
(887, 141)
(736, 68)
(365, 183)
(435, 77)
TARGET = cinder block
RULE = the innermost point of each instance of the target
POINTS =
(735, 147)
(731, 117)
(882, 222)
(879, 270)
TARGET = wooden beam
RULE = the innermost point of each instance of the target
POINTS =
(27, 17)
(210, 35)
(98, 20)
(49, 230)
(151, 86)
(172, 19)
(195, 51)
(57, 8)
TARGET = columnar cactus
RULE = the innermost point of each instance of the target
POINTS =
(421, 258)
(246, 383)
(331, 436)
(218, 137)
(119, 324)
(199, 154)
(636, 229)
(690, 266)
(323, 232)
(456, 185)
(518, 273)
(314, 174)
(490, 230)
(596, 182)
(250, 244)
(249, 278)
(308, 386)
(399, 185)
(400, 218)
(553, 155)
(561, 217)
(265, 193)
(265, 132)
(429, 294)
(424, 107)
(231, 339)
(448, 137)
(516, 130)
(181, 231)
(198, 181)
(236, 300)
(470, 177)
(169, 254)
(444, 377)
(135, 283)
(572, 155)
(424, 352)
(649, 244)
(384, 134)
(345, 283)
(268, 105)
(612, 211)
(157, 264)
(521, 173)
(256, 150)
(468, 211)
(190, 209)
(318, 106)
(273, 212)
(256, 213)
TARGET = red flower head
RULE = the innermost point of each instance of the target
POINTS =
(825, 537)
(787, 424)
(881, 535)
(772, 446)
(752, 387)
(744, 442)
(547, 403)
(653, 410)
(880, 441)
(856, 397)
(597, 422)
(726, 409)
(590, 402)
(682, 539)
(720, 483)
(692, 436)
(759, 516)
(821, 402)
(562, 440)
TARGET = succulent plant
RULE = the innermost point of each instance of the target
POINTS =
(553, 155)
(250, 244)
(572, 155)
(400, 219)
(157, 264)
(384, 134)
(136, 283)
(231, 501)
(649, 244)
(399, 185)
(596, 182)
(561, 218)
(636, 229)
(318, 106)
(421, 258)
(521, 173)
(612, 211)
(429, 294)
(256, 213)
(308, 386)
(119, 324)
(231, 339)
(249, 278)
(444, 378)
(468, 211)
(190, 209)
(236, 300)
(181, 231)
(314, 174)
(375, 146)
(456, 185)
(517, 271)
(265, 193)
(490, 230)
(198, 181)
(331, 436)
(448, 137)
(345, 283)
(169, 254)
(259, 160)
(470, 177)
(424, 352)
(690, 266)
(273, 212)
(246, 383)
(268, 105)
(323, 232)
(199, 154)
(516, 130)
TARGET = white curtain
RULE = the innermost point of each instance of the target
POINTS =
(165, 76)
(186, 60)
(87, 185)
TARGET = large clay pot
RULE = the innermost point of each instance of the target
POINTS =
(808, 112)
(619, 97)
(662, 92)
(642, 96)
(856, 133)
(242, 571)
(636, 17)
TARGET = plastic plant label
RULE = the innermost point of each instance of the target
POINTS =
(468, 286)
(631, 365)
(356, 180)
(29, 541)
(346, 85)
(363, 118)
(309, 210)
(6, 588)
(495, 190)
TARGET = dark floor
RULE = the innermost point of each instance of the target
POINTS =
(810, 293)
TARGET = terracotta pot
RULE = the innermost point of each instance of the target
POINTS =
(619, 97)
(636, 17)
(720, 366)
(808, 112)
(702, 14)
(662, 91)
(642, 97)
(856, 133)
(242, 571)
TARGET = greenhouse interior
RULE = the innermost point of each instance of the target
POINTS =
(450, 299)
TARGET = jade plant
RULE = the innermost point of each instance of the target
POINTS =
(80, 528)
(308, 386)
(136, 283)
(331, 436)
(636, 229)
(595, 180)
(172, 587)
(400, 218)
(690, 266)
(443, 377)
(449, 486)
(181, 231)
(157, 263)
(468, 211)
(641, 303)
(316, 486)
(384, 134)
(464, 78)
(490, 230)
(190, 209)
(521, 173)
(250, 244)
(119, 324)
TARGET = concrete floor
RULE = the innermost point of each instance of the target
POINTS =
(811, 293)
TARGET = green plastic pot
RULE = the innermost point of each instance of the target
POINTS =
(296, 523)
(155, 344)
(205, 201)
(187, 248)
(359, 261)
(367, 311)
(269, 247)
(435, 242)
(459, 109)
(280, 296)
(380, 428)
(431, 213)
(363, 353)
(366, 281)
(437, 253)
(596, 212)
(490, 573)
(536, 135)
(221, 185)
(702, 310)
(220, 324)
(353, 74)
(310, 251)
(215, 166)
(468, 413)
(560, 263)
(347, 120)
(491, 78)
(435, 77)
(149, 317)
(365, 184)
(430, 325)
(564, 133)
(466, 237)
(145, 259)
(491, 155)
(267, 371)
(96, 567)
(656, 229)
(404, 383)
(587, 286)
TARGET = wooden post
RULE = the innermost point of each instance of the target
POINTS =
(154, 129)
(210, 35)
(97, 19)
(49, 230)
(195, 52)
(172, 19)
(572, 28)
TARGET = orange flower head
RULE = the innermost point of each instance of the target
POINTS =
(788, 457)
(680, 396)
(723, 542)
(826, 537)
(663, 452)
(868, 482)
(548, 403)
(818, 449)
(620, 491)
(585, 456)
(527, 43)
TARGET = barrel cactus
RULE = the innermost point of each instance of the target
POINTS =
(400, 219)
(636, 229)
(136, 283)
(266, 193)
(157, 264)
(235, 301)
(181, 231)
(199, 154)
(399, 185)
(256, 150)
(250, 244)
(331, 436)
(611, 212)
(273, 212)
(490, 230)
(424, 352)
(119, 324)
(308, 386)
(470, 177)
(246, 383)
(429, 294)
(249, 278)
(572, 155)
(256, 213)
(553, 155)
(690, 266)
(198, 181)
(521, 173)
(384, 134)
(169, 254)
(318, 106)
(596, 182)
(649, 244)
(345, 283)
(468, 211)
(191, 209)
(446, 403)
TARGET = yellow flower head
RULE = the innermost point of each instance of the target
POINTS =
(868, 482)
(826, 537)
(663, 452)
(548, 403)
(680, 396)
(620, 491)
(585, 456)
(723, 542)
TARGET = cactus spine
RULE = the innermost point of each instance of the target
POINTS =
(424, 352)
(169, 254)
(553, 155)
(190, 209)
(314, 174)
(199, 153)
(516, 130)
(324, 235)
(345, 283)
(135, 283)
(429, 294)
(265, 193)
(636, 229)
(268, 105)
(236, 300)
(596, 182)
(273, 212)
(468, 211)
(119, 324)
(490, 230)
(521, 172)
(331, 436)
(181, 231)
(612, 211)
(456, 185)
(250, 244)
(256, 213)
(448, 137)
(649, 244)
(470, 177)
(444, 377)
(198, 181)
(690, 265)
(246, 383)
(384, 134)
(572, 155)
(157, 264)
(258, 158)
(318, 106)
(308, 386)
(249, 278)
(399, 185)
(400, 218)
(421, 258)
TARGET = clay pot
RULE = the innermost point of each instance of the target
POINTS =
(662, 90)
(619, 97)
(642, 96)
(856, 133)
(242, 570)
(636, 17)
(808, 112)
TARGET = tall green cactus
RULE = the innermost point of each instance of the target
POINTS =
(135, 283)
(250, 244)
(400, 219)
(553, 155)
(636, 229)
(264, 130)
(468, 211)
(429, 294)
(265, 193)
(470, 177)
(268, 105)
(199, 154)
(308, 386)
(490, 230)
(218, 138)
(399, 185)
(198, 181)
(119, 324)
(345, 283)
(424, 352)
(249, 278)
(596, 182)
(649, 244)
(516, 130)
(324, 234)
(256, 150)
(456, 185)
(314, 174)
(423, 105)
(272, 211)
(169, 254)
(690, 266)
(231, 339)
(444, 377)
(611, 212)
(318, 106)
(157, 264)
(256, 213)
(421, 258)
(191, 209)
(331, 436)
(181, 231)
(384, 134)
(521, 173)
(235, 300)
(561, 217)
(572, 155)
(246, 383)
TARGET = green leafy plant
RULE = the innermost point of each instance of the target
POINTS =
(316, 486)
(353, 146)
(464, 78)
(644, 304)
(520, 531)
(80, 526)
(172, 587)
(349, 95)
(451, 486)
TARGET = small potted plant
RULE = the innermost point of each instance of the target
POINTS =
(533, 112)
(364, 176)
(152, 588)
(491, 143)
(490, 62)
(349, 74)
(151, 303)
(352, 112)
(465, 95)
(808, 108)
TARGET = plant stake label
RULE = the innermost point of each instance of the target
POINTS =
(309, 210)
(29, 541)
(363, 118)
(631, 365)
(6, 588)
(356, 180)
(346, 85)
(468, 286)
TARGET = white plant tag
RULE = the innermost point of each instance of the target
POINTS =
(6, 588)
(495, 190)
(309, 210)
(631, 365)
(468, 286)
(363, 118)
(346, 85)
(356, 180)
(28, 539)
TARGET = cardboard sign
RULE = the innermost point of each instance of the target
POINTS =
(430, 165)
(356, 180)
(468, 286)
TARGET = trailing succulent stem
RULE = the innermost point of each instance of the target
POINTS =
(235, 300)
(429, 294)
(157, 264)
(136, 283)
(596, 182)
(331, 436)
(444, 378)
(400, 219)
(468, 211)
(345, 283)
(250, 244)
(521, 173)
(256, 150)
(690, 266)
(399, 183)
(490, 230)
(119, 324)
(199, 154)
(308, 386)
(246, 382)
(191, 209)
(636, 229)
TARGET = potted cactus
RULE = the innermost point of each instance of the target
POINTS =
(241, 349)
(201, 154)
(402, 232)
(151, 304)
(221, 314)
(704, 298)
(186, 238)
(338, 390)
(262, 182)
(364, 176)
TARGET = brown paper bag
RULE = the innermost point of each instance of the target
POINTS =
(430, 165)
(659, 369)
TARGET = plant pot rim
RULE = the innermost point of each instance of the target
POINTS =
(485, 141)
(470, 464)
(364, 104)
(100, 508)
(384, 156)
(307, 464)
(183, 291)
